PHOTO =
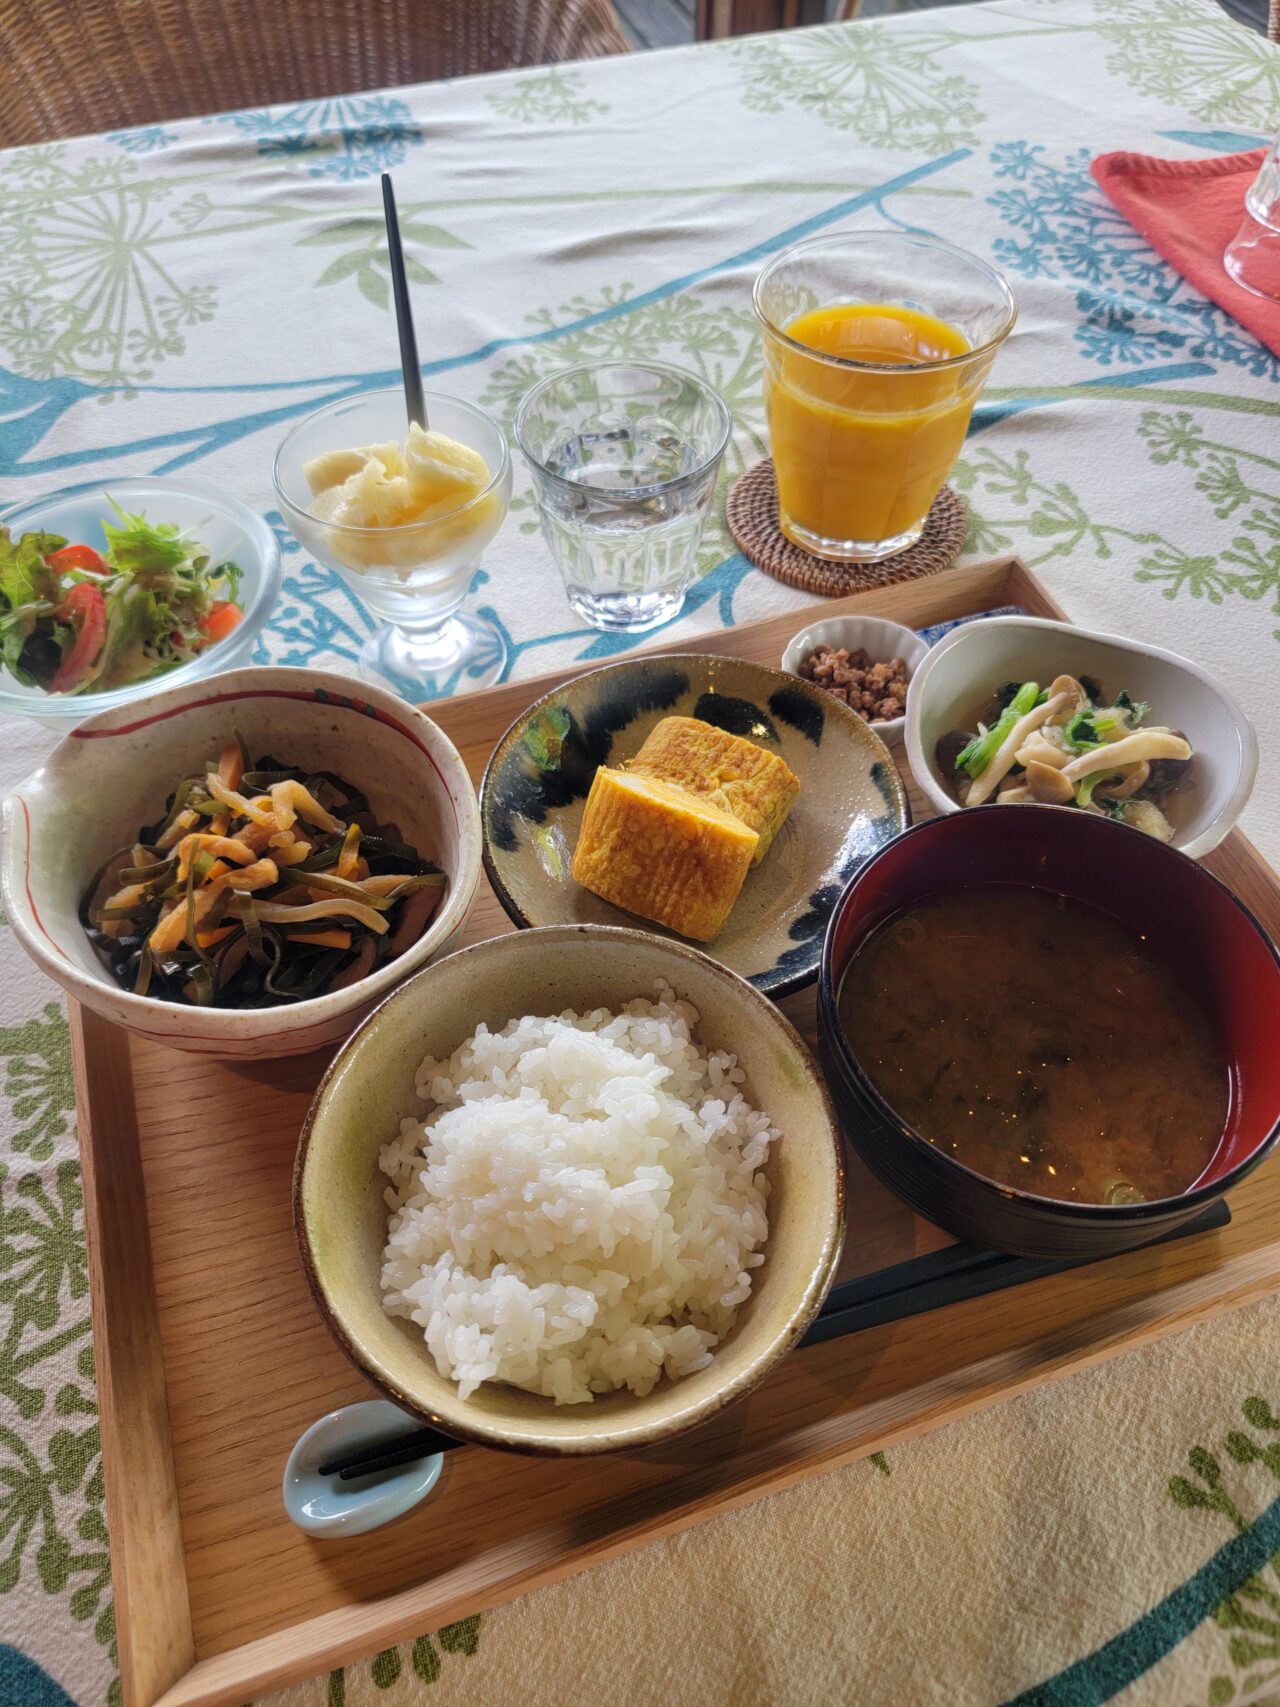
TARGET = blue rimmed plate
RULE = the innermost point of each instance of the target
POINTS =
(851, 800)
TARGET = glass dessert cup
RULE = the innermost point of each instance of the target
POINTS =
(862, 447)
(412, 577)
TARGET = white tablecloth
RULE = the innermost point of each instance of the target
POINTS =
(172, 298)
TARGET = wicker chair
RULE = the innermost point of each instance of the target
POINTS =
(71, 66)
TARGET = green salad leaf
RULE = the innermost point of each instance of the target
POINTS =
(140, 547)
(25, 577)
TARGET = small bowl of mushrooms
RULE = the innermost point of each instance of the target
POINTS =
(1021, 709)
(866, 662)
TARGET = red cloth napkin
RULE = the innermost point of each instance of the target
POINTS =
(1189, 210)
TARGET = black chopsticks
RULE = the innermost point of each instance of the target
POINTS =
(388, 1454)
(908, 1288)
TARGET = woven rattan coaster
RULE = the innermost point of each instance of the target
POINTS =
(752, 515)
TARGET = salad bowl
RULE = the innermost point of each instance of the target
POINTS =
(227, 530)
(114, 773)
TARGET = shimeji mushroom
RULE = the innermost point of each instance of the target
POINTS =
(1076, 698)
(1005, 755)
(1122, 788)
(1047, 783)
(1144, 744)
(1040, 749)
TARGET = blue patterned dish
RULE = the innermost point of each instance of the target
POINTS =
(851, 801)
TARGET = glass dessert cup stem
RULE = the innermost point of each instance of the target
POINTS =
(430, 660)
(423, 651)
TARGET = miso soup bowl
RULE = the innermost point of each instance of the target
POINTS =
(1213, 943)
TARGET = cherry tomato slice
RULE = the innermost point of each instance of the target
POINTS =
(222, 619)
(86, 610)
(78, 557)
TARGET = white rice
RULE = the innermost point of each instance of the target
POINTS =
(584, 1205)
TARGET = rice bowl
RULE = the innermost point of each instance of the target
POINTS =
(342, 1215)
(584, 1206)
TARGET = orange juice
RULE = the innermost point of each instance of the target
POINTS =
(861, 452)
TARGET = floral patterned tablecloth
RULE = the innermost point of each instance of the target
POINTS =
(173, 297)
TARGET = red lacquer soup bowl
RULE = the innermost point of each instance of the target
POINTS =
(1214, 944)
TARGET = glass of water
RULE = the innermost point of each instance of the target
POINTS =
(1252, 257)
(624, 458)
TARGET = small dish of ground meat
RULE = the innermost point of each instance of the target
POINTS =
(865, 662)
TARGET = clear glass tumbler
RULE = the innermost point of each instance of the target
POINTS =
(1252, 257)
(624, 458)
(413, 577)
(866, 428)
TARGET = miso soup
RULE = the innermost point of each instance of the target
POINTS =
(1041, 1043)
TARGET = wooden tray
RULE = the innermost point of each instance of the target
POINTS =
(212, 1359)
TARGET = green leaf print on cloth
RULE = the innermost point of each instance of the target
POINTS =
(555, 97)
(86, 292)
(1196, 59)
(889, 88)
(1250, 1616)
(1009, 505)
(52, 1524)
(364, 240)
(349, 1686)
(38, 1080)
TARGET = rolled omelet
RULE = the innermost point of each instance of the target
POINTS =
(662, 852)
(753, 784)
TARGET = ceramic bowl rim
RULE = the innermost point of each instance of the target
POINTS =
(801, 642)
(775, 989)
(1215, 830)
(629, 1437)
(235, 1025)
(1053, 1208)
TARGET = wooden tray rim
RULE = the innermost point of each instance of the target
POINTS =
(158, 1659)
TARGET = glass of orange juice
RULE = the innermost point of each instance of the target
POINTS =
(876, 345)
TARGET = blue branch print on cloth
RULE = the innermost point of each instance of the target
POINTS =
(1135, 308)
(353, 136)
(194, 441)
(144, 140)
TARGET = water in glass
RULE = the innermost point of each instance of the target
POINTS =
(624, 461)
